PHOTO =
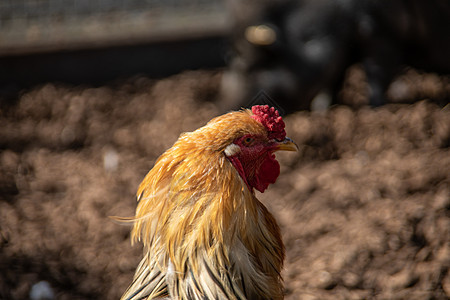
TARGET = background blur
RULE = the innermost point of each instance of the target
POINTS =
(92, 92)
(93, 41)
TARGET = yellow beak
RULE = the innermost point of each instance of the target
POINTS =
(287, 145)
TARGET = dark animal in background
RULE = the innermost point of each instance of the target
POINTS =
(295, 49)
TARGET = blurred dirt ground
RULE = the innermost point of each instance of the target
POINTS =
(364, 205)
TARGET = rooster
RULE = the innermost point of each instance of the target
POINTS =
(205, 234)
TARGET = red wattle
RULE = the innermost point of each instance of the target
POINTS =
(266, 174)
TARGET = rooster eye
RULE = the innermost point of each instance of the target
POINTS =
(248, 141)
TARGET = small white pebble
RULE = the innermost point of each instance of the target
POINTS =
(42, 291)
(110, 160)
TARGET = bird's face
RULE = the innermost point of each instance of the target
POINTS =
(254, 159)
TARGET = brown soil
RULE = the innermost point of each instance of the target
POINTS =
(364, 205)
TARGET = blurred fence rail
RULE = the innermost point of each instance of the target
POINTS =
(30, 26)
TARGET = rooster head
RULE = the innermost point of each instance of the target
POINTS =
(252, 151)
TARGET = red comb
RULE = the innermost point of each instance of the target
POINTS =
(270, 118)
